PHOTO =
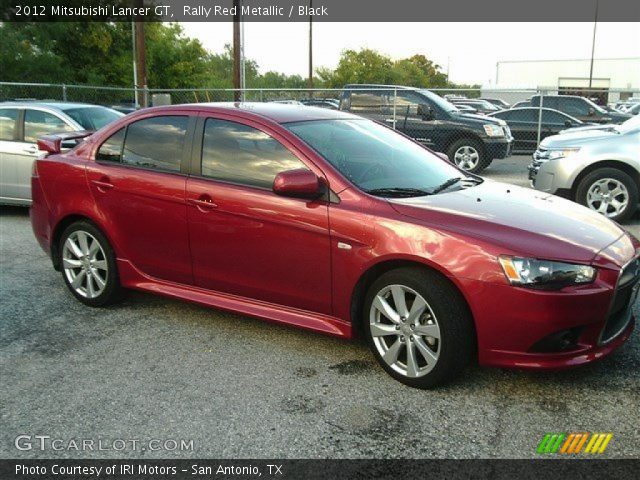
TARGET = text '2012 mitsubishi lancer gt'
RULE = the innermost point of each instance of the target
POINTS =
(334, 223)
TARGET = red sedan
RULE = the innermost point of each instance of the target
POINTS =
(331, 222)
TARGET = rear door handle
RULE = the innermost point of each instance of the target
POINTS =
(103, 184)
(203, 202)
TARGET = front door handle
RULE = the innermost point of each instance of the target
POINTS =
(31, 150)
(103, 184)
(204, 202)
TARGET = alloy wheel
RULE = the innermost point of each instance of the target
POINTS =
(608, 196)
(466, 157)
(405, 331)
(85, 264)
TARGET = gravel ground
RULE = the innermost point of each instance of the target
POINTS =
(152, 368)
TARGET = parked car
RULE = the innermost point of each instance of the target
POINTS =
(598, 168)
(580, 108)
(21, 123)
(498, 102)
(125, 107)
(482, 106)
(633, 109)
(470, 141)
(330, 103)
(466, 109)
(287, 102)
(332, 222)
(522, 103)
(523, 123)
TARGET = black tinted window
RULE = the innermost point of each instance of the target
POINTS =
(505, 115)
(155, 143)
(236, 153)
(524, 116)
(111, 149)
(553, 117)
(8, 117)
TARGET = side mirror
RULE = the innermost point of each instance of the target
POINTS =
(299, 183)
(568, 123)
(425, 112)
(591, 111)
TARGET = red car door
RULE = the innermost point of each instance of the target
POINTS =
(138, 184)
(245, 240)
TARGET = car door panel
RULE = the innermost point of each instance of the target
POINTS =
(251, 242)
(147, 214)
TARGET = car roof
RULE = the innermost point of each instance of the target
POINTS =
(276, 112)
(61, 106)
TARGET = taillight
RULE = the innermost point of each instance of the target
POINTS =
(34, 169)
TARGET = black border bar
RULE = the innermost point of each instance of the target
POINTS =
(326, 11)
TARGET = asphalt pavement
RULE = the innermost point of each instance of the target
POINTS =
(229, 386)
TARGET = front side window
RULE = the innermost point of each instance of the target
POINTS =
(8, 121)
(374, 157)
(236, 153)
(524, 115)
(555, 118)
(38, 123)
(156, 143)
(111, 149)
(575, 106)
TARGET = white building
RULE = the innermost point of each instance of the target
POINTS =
(615, 78)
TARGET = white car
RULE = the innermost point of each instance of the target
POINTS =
(22, 123)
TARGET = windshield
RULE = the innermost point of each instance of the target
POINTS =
(92, 118)
(632, 124)
(443, 103)
(374, 157)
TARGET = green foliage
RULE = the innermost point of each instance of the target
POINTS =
(99, 53)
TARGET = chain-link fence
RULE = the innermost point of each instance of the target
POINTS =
(472, 126)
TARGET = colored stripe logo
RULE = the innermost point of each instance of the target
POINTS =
(574, 443)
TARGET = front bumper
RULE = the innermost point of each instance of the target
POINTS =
(522, 328)
(499, 148)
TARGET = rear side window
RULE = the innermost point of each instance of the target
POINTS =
(236, 153)
(38, 123)
(8, 120)
(156, 143)
(527, 116)
(111, 149)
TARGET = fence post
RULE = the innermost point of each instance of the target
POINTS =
(540, 118)
(395, 98)
(64, 92)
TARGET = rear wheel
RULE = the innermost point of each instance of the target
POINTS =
(89, 265)
(610, 192)
(418, 327)
(468, 155)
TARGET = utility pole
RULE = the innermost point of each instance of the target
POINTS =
(140, 56)
(593, 45)
(135, 69)
(310, 82)
(236, 52)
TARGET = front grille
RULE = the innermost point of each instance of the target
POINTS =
(620, 313)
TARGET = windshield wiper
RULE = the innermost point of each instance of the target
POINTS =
(445, 185)
(398, 192)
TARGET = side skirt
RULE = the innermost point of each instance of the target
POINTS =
(133, 278)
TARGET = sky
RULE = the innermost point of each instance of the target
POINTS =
(470, 51)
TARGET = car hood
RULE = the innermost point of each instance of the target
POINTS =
(523, 221)
(587, 127)
(578, 136)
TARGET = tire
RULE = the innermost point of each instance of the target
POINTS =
(477, 159)
(594, 192)
(445, 327)
(97, 275)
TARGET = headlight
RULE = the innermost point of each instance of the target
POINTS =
(564, 153)
(493, 130)
(545, 274)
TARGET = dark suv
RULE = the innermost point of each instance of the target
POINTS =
(470, 141)
(579, 107)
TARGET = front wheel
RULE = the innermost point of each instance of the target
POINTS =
(418, 327)
(89, 265)
(610, 192)
(468, 155)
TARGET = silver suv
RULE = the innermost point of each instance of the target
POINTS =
(598, 167)
(22, 123)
